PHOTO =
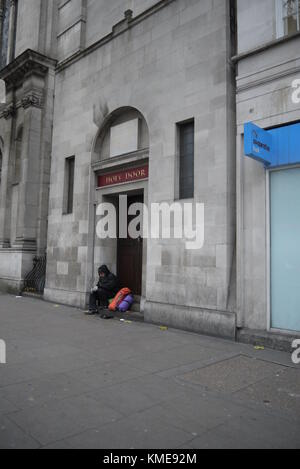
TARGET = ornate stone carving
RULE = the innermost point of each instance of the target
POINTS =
(9, 111)
(128, 15)
(32, 99)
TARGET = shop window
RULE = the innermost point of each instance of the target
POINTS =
(186, 159)
(285, 249)
(288, 17)
(69, 185)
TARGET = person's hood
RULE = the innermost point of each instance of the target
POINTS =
(104, 270)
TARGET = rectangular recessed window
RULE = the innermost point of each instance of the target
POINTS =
(4, 33)
(69, 185)
(288, 17)
(8, 31)
(186, 136)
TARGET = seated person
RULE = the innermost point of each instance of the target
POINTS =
(106, 288)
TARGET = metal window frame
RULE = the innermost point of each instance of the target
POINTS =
(180, 127)
(280, 17)
(67, 209)
(268, 245)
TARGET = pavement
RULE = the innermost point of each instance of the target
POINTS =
(73, 381)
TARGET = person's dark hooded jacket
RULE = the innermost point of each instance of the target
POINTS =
(109, 283)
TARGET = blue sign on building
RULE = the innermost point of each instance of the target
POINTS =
(258, 144)
(275, 147)
(286, 145)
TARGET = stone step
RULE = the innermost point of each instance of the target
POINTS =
(136, 307)
(272, 340)
(32, 295)
(129, 316)
(134, 314)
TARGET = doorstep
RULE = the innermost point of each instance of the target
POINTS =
(39, 296)
(273, 340)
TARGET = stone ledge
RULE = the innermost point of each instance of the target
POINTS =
(69, 298)
(202, 321)
(11, 285)
(264, 47)
(273, 340)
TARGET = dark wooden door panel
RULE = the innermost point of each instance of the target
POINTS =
(130, 258)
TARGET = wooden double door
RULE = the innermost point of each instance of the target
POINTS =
(130, 256)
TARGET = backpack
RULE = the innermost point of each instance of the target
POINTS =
(118, 298)
(126, 303)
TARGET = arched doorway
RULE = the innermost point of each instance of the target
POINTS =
(120, 164)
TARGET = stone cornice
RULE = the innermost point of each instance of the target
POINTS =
(268, 75)
(126, 160)
(26, 64)
(264, 47)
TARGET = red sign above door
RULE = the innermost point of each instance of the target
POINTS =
(125, 176)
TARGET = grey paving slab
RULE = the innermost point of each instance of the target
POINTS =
(56, 421)
(16, 373)
(62, 444)
(12, 437)
(196, 412)
(19, 354)
(252, 430)
(219, 439)
(279, 392)
(6, 406)
(141, 430)
(175, 358)
(138, 394)
(207, 359)
(100, 376)
(43, 391)
(232, 374)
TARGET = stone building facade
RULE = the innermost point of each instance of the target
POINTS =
(268, 199)
(138, 98)
(151, 68)
(166, 63)
(25, 135)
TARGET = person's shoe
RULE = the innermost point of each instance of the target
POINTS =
(91, 313)
(107, 315)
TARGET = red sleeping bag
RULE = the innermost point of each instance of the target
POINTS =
(119, 298)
